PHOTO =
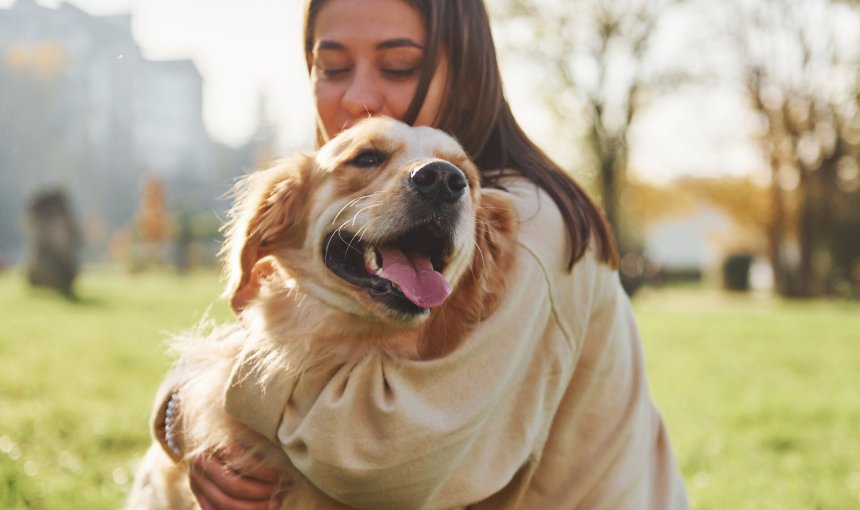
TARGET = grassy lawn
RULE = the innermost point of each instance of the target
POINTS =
(762, 397)
(77, 379)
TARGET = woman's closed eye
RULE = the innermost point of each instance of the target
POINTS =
(333, 72)
(400, 63)
(391, 72)
(405, 72)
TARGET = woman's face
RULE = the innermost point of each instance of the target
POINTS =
(366, 60)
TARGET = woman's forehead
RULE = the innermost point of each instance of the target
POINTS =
(377, 24)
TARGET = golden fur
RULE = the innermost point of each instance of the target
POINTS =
(296, 315)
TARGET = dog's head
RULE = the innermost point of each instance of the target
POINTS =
(382, 222)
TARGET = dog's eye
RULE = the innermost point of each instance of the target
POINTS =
(368, 159)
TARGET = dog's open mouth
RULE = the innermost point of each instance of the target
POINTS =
(404, 273)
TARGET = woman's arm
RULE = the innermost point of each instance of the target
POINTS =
(216, 486)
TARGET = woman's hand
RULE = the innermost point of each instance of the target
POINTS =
(217, 487)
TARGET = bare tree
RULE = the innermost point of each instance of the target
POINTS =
(799, 72)
(595, 57)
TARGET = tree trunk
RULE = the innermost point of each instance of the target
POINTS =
(609, 192)
(776, 232)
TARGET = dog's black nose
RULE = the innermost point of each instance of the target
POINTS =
(439, 181)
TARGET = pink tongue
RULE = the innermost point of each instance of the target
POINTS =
(415, 275)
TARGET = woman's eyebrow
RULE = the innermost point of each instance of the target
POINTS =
(398, 43)
(329, 45)
(402, 42)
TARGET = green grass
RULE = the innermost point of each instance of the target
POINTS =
(762, 397)
(77, 379)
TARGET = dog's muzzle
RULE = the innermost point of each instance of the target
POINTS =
(404, 270)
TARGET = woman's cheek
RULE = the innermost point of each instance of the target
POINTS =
(398, 98)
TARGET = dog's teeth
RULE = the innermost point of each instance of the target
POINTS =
(377, 258)
(396, 287)
(370, 260)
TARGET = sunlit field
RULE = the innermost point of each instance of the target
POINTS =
(762, 397)
(77, 379)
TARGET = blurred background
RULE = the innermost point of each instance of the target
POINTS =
(721, 138)
(712, 133)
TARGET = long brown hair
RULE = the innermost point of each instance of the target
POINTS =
(489, 132)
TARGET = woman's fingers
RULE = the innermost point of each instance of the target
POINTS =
(255, 469)
(211, 498)
(238, 485)
(217, 487)
(202, 500)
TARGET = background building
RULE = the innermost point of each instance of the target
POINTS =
(84, 111)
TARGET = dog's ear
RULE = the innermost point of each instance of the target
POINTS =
(268, 205)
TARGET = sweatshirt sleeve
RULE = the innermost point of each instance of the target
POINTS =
(381, 432)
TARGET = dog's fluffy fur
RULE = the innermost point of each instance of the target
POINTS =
(291, 239)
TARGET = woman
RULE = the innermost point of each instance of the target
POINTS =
(555, 386)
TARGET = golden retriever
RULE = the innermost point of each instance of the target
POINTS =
(382, 239)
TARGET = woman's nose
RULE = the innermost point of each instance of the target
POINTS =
(362, 98)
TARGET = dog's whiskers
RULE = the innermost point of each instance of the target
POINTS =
(337, 231)
(371, 206)
(349, 244)
(354, 236)
(349, 204)
(360, 233)
(483, 260)
(327, 246)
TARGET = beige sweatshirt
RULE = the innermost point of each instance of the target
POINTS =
(545, 406)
